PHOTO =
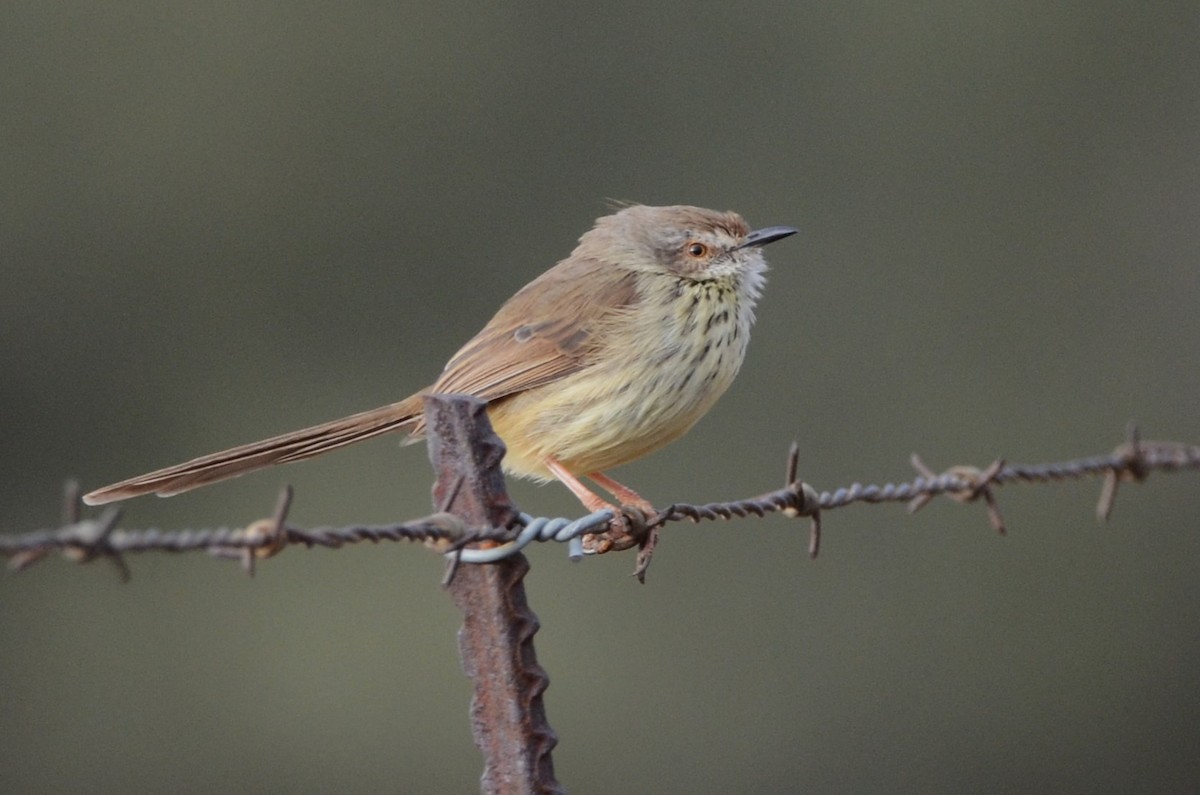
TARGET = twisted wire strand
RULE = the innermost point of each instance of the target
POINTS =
(540, 528)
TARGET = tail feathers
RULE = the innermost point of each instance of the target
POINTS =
(294, 446)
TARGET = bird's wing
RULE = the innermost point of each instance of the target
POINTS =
(545, 332)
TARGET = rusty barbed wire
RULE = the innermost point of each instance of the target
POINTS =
(84, 540)
(1131, 461)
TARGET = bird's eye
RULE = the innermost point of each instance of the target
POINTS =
(697, 250)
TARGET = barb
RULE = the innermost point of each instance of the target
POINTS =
(86, 539)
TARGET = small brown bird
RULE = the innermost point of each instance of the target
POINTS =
(612, 353)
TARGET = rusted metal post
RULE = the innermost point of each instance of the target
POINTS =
(508, 718)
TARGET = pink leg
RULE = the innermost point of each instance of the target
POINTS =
(626, 495)
(589, 498)
(618, 536)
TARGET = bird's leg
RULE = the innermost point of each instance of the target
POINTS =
(590, 499)
(626, 495)
(619, 537)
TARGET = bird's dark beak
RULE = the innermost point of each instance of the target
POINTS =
(761, 237)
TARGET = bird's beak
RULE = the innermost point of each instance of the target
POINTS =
(761, 237)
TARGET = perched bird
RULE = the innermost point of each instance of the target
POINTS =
(612, 353)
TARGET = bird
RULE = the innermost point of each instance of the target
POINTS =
(611, 354)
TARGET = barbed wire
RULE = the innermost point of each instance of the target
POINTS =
(84, 540)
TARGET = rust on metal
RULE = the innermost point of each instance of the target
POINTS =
(508, 717)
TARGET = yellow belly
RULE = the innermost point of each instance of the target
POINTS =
(652, 382)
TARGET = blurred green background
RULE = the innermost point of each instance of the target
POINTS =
(222, 221)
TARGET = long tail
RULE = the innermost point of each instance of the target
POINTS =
(294, 446)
